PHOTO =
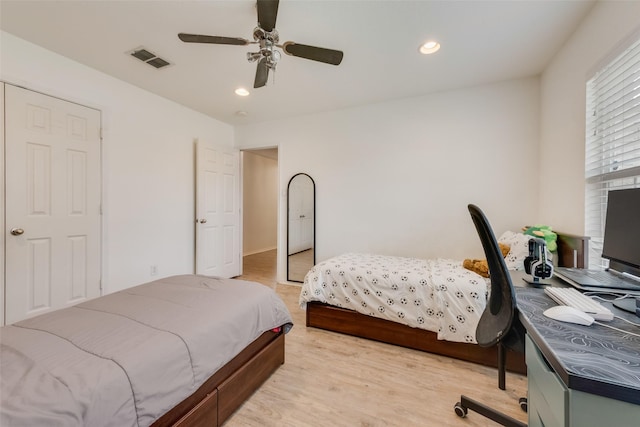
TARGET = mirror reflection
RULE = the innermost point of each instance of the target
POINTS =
(301, 227)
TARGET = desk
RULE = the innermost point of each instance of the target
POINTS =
(579, 376)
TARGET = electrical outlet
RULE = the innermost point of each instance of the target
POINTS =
(154, 269)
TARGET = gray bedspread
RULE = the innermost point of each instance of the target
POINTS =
(126, 358)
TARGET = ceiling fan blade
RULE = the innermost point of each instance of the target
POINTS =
(262, 74)
(267, 13)
(328, 56)
(197, 38)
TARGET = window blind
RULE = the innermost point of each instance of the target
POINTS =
(612, 152)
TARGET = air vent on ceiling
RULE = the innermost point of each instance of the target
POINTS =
(158, 62)
(150, 58)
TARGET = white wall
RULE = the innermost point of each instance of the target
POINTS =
(562, 128)
(391, 178)
(148, 161)
(259, 203)
(396, 178)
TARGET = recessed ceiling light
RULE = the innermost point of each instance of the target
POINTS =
(241, 113)
(429, 47)
(242, 92)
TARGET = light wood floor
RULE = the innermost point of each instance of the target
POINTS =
(331, 379)
(299, 265)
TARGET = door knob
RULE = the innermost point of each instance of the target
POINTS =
(17, 231)
(203, 221)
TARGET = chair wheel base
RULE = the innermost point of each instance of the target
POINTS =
(466, 404)
(524, 404)
(461, 411)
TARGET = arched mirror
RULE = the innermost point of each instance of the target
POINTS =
(301, 226)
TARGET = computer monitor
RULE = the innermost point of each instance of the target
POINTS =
(621, 244)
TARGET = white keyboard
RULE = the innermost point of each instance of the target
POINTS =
(574, 298)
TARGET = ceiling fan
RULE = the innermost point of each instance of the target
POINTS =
(266, 35)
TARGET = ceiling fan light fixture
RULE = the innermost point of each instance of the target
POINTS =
(253, 56)
(242, 92)
(429, 47)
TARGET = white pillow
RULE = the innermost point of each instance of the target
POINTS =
(518, 249)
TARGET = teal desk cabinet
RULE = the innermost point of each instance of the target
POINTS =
(579, 376)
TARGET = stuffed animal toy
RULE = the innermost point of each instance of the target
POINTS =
(480, 266)
(544, 232)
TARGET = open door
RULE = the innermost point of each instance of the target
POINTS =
(217, 210)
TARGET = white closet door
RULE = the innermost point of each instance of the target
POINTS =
(2, 204)
(52, 203)
(217, 210)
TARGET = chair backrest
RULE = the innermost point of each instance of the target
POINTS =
(497, 318)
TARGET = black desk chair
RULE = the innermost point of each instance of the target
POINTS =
(499, 324)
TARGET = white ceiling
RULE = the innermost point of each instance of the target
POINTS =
(482, 42)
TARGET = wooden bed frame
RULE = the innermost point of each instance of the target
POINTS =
(572, 252)
(230, 386)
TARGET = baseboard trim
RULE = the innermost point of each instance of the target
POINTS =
(259, 251)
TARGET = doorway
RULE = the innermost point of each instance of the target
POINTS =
(260, 215)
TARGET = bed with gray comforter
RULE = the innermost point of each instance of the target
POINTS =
(126, 358)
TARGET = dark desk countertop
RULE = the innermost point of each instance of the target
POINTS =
(593, 359)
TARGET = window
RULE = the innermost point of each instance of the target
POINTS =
(612, 157)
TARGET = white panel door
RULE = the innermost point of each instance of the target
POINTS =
(52, 203)
(307, 208)
(217, 210)
(295, 216)
(301, 200)
(2, 236)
